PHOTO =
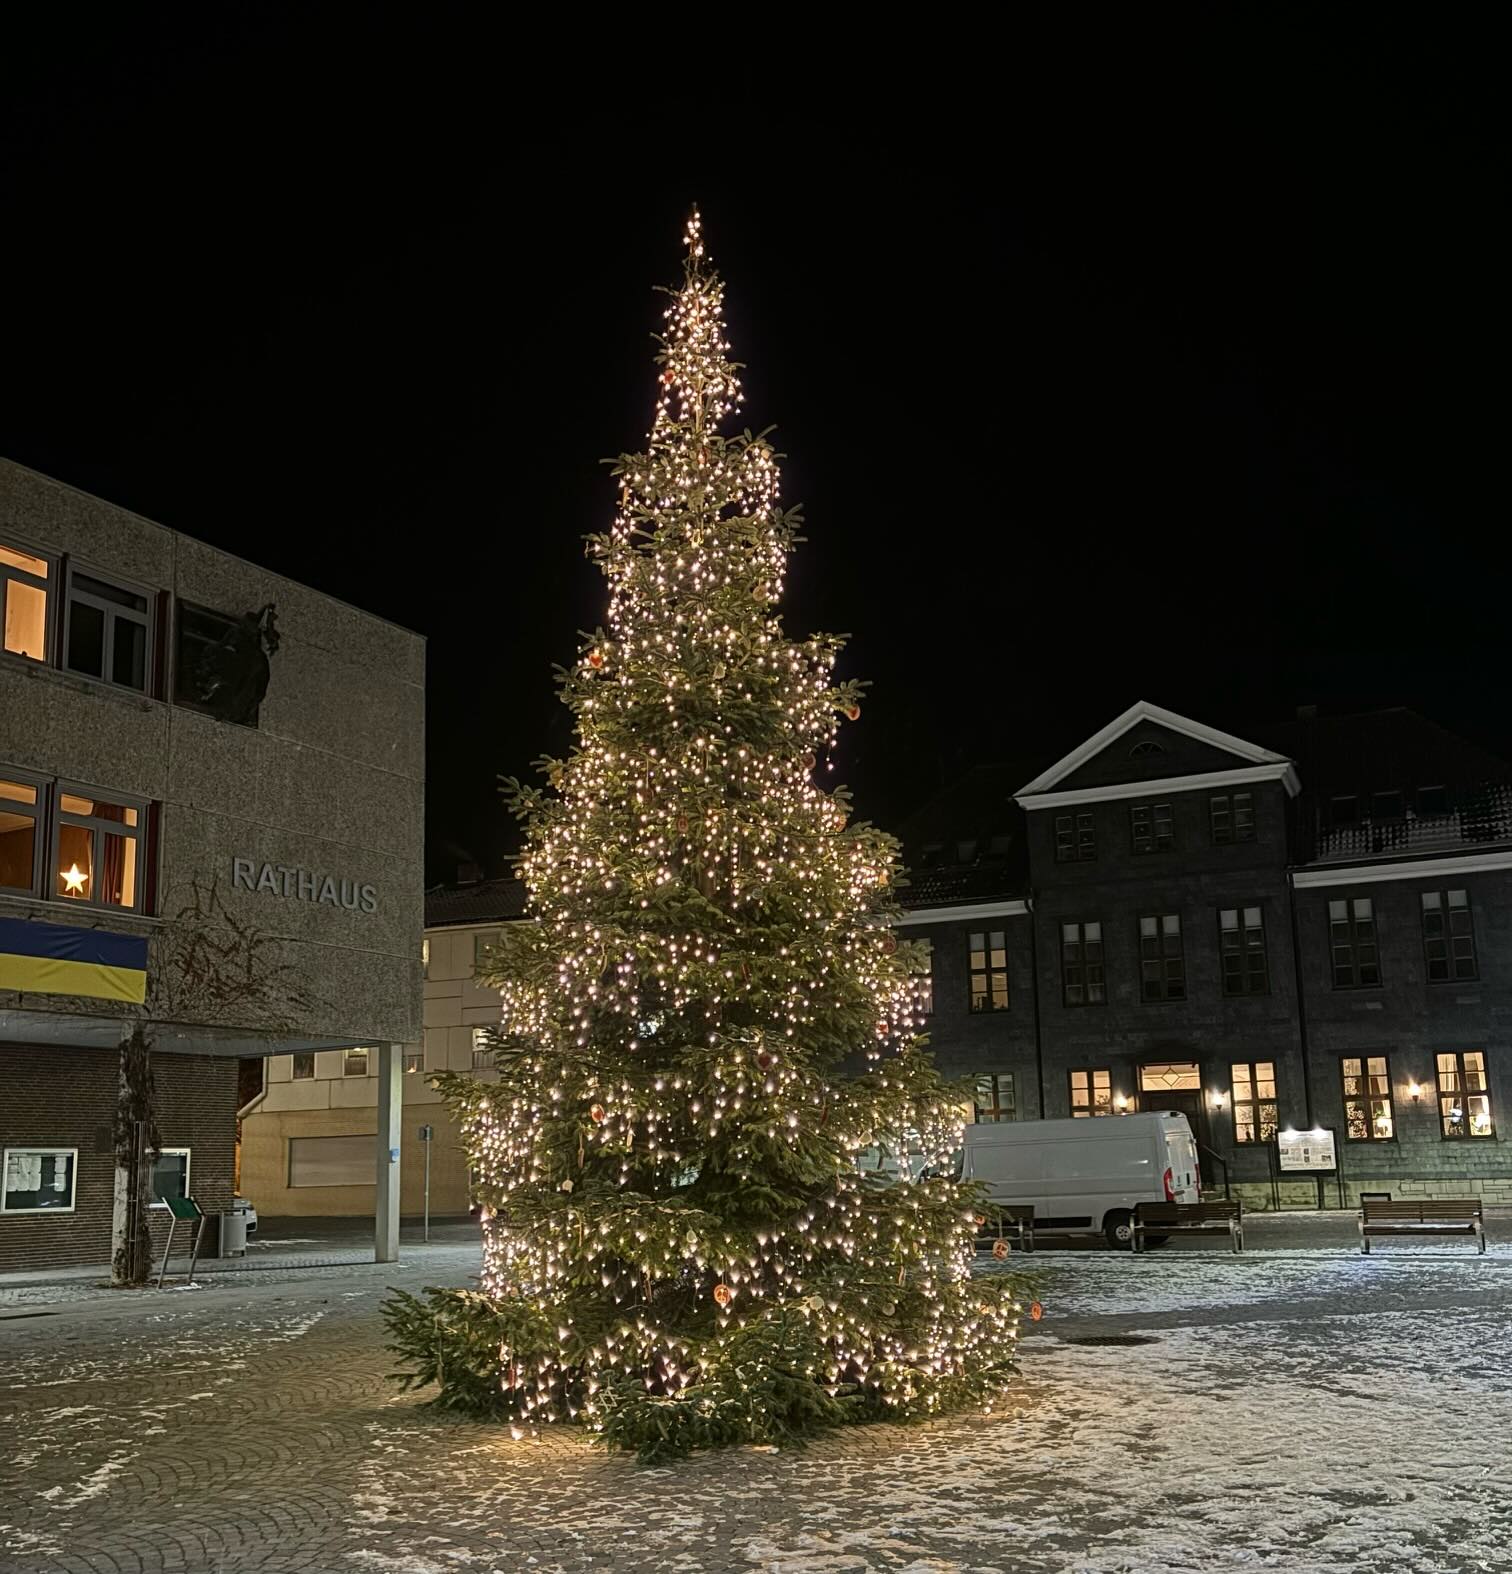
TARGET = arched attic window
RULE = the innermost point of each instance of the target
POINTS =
(1145, 748)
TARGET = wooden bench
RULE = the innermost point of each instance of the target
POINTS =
(1188, 1218)
(1429, 1216)
(1012, 1223)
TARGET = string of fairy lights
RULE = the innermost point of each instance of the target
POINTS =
(712, 943)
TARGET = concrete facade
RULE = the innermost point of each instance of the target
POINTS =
(279, 863)
(1303, 847)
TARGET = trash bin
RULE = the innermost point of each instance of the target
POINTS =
(233, 1233)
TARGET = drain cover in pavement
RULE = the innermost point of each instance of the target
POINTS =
(1121, 1339)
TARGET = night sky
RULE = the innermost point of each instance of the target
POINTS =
(1188, 389)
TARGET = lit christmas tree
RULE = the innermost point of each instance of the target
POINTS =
(709, 1018)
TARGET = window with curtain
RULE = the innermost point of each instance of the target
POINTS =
(1464, 1094)
(1254, 1097)
(25, 585)
(1092, 1092)
(97, 850)
(1369, 1113)
(20, 840)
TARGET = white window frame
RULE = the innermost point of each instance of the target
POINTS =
(346, 1060)
(100, 828)
(112, 611)
(294, 1058)
(38, 814)
(414, 1061)
(48, 586)
(487, 1063)
(46, 1150)
(188, 1172)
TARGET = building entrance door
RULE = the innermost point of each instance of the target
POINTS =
(1177, 1085)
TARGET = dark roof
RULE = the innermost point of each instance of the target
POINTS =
(966, 844)
(478, 902)
(1380, 751)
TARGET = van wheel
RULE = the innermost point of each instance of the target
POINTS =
(1119, 1229)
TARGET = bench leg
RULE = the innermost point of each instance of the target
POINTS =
(1480, 1239)
(1364, 1243)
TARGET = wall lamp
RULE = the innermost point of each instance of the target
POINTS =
(1414, 1091)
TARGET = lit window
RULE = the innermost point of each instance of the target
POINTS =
(96, 850)
(24, 583)
(1082, 979)
(988, 956)
(1352, 943)
(38, 1179)
(354, 1063)
(993, 1099)
(302, 1067)
(1368, 1112)
(1448, 936)
(1241, 945)
(1232, 816)
(1162, 967)
(107, 631)
(482, 1048)
(482, 945)
(170, 1176)
(1075, 837)
(1170, 1076)
(20, 841)
(1255, 1110)
(414, 1060)
(1152, 828)
(1464, 1095)
(1092, 1092)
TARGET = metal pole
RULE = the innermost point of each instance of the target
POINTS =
(427, 1191)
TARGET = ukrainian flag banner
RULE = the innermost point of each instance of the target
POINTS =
(53, 959)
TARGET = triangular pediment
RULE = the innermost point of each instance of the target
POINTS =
(1148, 743)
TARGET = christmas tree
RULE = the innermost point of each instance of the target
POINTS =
(708, 1019)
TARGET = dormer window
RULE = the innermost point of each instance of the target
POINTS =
(1145, 748)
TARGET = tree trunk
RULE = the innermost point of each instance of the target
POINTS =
(136, 1143)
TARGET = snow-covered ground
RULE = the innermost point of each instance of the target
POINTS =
(1299, 1411)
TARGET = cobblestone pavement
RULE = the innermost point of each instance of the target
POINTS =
(1307, 1412)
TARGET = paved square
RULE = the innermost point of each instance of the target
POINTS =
(1300, 1409)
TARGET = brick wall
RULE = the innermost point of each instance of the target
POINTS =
(51, 1096)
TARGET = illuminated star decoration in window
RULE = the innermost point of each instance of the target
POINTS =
(73, 881)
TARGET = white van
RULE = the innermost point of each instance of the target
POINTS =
(1083, 1177)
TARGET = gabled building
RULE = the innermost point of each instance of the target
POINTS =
(1295, 933)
